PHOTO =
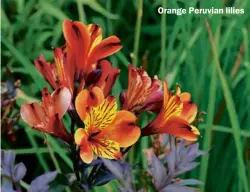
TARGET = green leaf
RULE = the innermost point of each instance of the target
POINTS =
(93, 4)
(53, 11)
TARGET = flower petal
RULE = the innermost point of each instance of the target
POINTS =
(86, 153)
(56, 127)
(77, 37)
(86, 99)
(122, 130)
(166, 93)
(180, 128)
(141, 87)
(106, 148)
(107, 47)
(59, 57)
(33, 113)
(65, 68)
(108, 76)
(189, 111)
(81, 139)
(154, 102)
(47, 70)
(48, 103)
(62, 99)
(185, 97)
(95, 32)
(70, 65)
(80, 135)
(101, 116)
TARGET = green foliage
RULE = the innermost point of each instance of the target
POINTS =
(216, 75)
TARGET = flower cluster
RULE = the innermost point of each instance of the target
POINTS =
(81, 79)
(179, 161)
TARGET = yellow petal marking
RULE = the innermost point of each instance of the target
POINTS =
(101, 116)
(106, 148)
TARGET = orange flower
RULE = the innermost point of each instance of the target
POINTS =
(60, 73)
(73, 63)
(106, 130)
(87, 45)
(143, 93)
(46, 117)
(175, 116)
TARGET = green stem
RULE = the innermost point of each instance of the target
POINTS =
(29, 151)
(58, 149)
(137, 32)
(109, 23)
(74, 152)
(163, 40)
(208, 133)
(224, 129)
(131, 155)
(211, 112)
(24, 184)
(53, 157)
(82, 16)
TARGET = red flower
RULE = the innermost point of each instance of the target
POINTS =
(176, 114)
(84, 48)
(87, 45)
(143, 93)
(46, 117)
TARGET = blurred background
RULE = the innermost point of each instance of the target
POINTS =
(176, 48)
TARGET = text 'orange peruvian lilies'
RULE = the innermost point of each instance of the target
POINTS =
(46, 117)
(175, 116)
(87, 45)
(143, 93)
(106, 130)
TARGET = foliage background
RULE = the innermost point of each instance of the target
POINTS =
(174, 47)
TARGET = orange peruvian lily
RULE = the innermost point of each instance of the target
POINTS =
(87, 45)
(46, 117)
(60, 73)
(176, 114)
(143, 93)
(106, 130)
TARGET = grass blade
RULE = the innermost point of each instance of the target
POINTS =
(231, 112)
(137, 32)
